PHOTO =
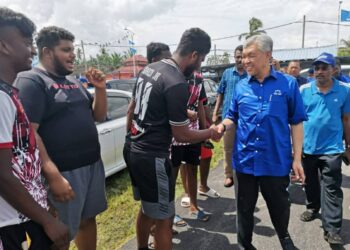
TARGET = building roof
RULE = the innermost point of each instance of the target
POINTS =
(302, 53)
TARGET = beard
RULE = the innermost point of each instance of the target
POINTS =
(59, 68)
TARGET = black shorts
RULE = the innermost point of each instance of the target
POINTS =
(14, 236)
(153, 184)
(189, 154)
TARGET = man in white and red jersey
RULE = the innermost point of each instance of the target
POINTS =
(25, 222)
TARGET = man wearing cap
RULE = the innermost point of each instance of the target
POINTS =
(327, 104)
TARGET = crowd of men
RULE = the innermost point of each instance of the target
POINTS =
(52, 182)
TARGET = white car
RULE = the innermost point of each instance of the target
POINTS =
(111, 133)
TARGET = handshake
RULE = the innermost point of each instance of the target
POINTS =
(217, 131)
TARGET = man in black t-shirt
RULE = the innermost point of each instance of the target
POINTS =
(161, 96)
(63, 114)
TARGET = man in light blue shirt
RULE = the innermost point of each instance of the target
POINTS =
(228, 83)
(327, 104)
(266, 112)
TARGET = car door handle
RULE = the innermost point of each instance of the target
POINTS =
(105, 131)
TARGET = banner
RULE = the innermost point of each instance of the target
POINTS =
(345, 16)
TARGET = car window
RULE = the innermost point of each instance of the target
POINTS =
(117, 107)
(124, 86)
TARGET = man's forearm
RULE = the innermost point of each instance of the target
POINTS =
(346, 128)
(219, 100)
(16, 195)
(129, 114)
(49, 169)
(297, 140)
(99, 105)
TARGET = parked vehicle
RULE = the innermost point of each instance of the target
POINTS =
(211, 87)
(122, 84)
(112, 132)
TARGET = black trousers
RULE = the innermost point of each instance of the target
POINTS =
(13, 236)
(323, 188)
(274, 191)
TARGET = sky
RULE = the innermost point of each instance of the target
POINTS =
(104, 22)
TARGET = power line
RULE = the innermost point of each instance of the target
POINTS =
(109, 45)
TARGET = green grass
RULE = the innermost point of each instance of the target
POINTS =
(116, 225)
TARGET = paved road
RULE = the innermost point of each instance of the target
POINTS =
(220, 232)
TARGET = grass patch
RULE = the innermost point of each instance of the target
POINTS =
(116, 225)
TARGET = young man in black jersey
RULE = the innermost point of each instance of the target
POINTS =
(161, 96)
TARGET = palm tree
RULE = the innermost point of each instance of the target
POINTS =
(346, 43)
(254, 25)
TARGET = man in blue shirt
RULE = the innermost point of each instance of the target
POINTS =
(263, 107)
(228, 83)
(338, 74)
(294, 70)
(327, 104)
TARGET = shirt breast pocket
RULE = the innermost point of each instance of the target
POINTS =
(277, 105)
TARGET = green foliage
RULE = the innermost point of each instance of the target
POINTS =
(255, 25)
(344, 51)
(218, 59)
(104, 60)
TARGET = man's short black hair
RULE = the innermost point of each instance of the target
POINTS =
(239, 48)
(194, 39)
(155, 49)
(51, 36)
(9, 17)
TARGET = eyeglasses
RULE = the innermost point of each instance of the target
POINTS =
(321, 67)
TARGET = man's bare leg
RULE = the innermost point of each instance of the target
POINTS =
(204, 173)
(191, 172)
(86, 238)
(163, 234)
(143, 229)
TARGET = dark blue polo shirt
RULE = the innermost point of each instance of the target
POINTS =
(263, 112)
(323, 132)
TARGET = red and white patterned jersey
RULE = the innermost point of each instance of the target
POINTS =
(197, 94)
(18, 135)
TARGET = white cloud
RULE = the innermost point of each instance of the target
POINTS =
(165, 20)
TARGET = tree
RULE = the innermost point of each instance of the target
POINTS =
(218, 59)
(255, 25)
(344, 51)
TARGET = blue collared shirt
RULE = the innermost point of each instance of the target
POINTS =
(323, 132)
(227, 86)
(262, 113)
(343, 78)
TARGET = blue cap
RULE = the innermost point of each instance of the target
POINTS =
(83, 79)
(326, 58)
(311, 71)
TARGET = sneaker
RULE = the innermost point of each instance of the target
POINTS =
(333, 238)
(287, 244)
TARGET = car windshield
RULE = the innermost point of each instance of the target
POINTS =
(126, 85)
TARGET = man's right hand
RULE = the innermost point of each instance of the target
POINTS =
(61, 189)
(58, 234)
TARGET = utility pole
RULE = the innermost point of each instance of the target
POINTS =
(84, 58)
(340, 2)
(303, 38)
(215, 58)
(131, 33)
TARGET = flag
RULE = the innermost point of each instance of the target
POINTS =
(133, 51)
(345, 16)
(131, 43)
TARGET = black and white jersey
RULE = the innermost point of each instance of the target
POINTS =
(161, 95)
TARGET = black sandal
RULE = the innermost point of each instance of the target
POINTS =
(308, 216)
